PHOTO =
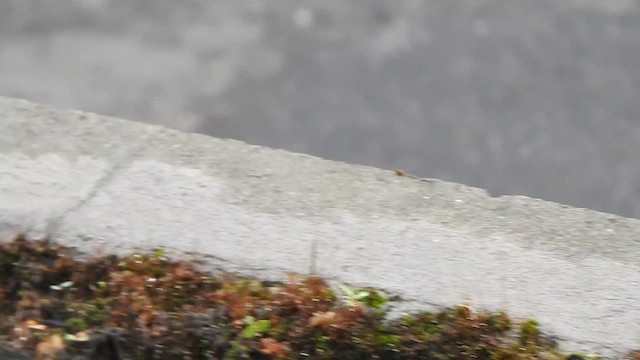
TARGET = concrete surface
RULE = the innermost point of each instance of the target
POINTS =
(530, 97)
(104, 184)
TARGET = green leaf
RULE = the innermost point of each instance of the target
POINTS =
(255, 328)
(102, 285)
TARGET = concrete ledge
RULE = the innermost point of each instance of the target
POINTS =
(100, 183)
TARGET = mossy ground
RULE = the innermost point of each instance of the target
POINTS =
(145, 306)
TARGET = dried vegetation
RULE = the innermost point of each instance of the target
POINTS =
(54, 305)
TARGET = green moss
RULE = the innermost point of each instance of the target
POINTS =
(75, 324)
(322, 343)
(499, 321)
(96, 311)
(255, 327)
(529, 332)
(237, 351)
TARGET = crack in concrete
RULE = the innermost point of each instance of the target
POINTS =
(56, 223)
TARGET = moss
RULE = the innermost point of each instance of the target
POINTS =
(255, 327)
(96, 312)
(237, 351)
(529, 332)
(75, 324)
(146, 306)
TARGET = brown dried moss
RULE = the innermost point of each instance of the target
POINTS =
(146, 306)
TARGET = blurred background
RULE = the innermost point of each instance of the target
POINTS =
(531, 97)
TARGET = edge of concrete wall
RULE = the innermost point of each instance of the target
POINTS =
(100, 183)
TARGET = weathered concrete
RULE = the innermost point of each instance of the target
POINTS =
(529, 97)
(103, 183)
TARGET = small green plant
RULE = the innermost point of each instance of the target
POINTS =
(529, 332)
(160, 254)
(236, 351)
(75, 324)
(255, 327)
(96, 311)
(102, 285)
(372, 298)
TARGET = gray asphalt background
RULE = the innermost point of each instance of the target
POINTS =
(531, 97)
